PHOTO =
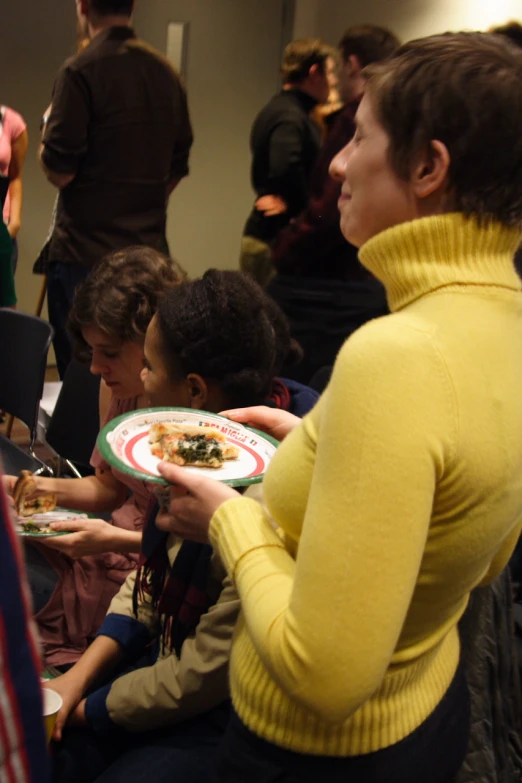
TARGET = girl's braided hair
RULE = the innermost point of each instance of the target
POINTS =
(226, 329)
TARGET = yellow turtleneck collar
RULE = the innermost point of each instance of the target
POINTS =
(414, 258)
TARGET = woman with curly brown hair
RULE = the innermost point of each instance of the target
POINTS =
(74, 577)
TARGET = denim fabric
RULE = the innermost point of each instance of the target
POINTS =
(183, 753)
(62, 280)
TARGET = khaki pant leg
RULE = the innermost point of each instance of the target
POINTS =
(256, 260)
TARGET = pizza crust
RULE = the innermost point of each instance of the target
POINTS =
(25, 486)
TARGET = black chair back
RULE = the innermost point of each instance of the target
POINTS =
(24, 344)
(75, 421)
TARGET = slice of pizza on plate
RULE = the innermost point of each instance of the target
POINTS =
(200, 447)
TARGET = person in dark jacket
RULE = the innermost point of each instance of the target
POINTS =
(285, 143)
(320, 284)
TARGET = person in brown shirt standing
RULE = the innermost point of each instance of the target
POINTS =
(116, 143)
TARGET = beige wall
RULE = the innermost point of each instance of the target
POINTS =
(306, 18)
(35, 36)
(233, 64)
(414, 18)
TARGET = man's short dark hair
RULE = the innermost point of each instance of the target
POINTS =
(110, 7)
(299, 56)
(369, 43)
(463, 90)
(511, 30)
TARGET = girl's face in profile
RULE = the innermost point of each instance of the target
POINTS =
(160, 389)
(119, 364)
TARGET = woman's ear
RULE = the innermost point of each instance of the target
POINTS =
(431, 172)
(198, 391)
(355, 65)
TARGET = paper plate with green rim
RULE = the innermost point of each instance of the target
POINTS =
(124, 444)
(43, 520)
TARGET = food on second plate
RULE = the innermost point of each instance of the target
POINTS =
(201, 447)
(26, 506)
(32, 527)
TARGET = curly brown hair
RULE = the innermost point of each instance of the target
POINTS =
(121, 295)
(463, 90)
(225, 328)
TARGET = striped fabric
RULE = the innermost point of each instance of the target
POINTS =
(23, 751)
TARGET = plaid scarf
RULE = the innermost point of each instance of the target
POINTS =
(178, 592)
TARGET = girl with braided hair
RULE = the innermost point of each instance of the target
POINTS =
(214, 342)
(218, 340)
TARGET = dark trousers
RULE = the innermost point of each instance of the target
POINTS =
(180, 754)
(322, 314)
(62, 280)
(433, 753)
(14, 256)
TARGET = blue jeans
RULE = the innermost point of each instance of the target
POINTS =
(62, 280)
(183, 753)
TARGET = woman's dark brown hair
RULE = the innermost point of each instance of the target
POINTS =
(121, 295)
(464, 90)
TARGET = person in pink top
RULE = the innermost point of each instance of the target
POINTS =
(13, 149)
(74, 577)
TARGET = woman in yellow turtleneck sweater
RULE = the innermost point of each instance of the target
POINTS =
(402, 490)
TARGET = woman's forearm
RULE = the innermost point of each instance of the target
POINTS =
(85, 494)
(97, 662)
(125, 540)
(15, 207)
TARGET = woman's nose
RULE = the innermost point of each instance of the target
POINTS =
(97, 367)
(337, 168)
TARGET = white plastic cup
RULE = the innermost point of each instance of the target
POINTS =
(52, 704)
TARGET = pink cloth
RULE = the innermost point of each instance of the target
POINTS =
(69, 622)
(12, 127)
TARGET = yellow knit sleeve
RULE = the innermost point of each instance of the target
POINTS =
(326, 625)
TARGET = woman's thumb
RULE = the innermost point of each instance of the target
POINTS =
(179, 477)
